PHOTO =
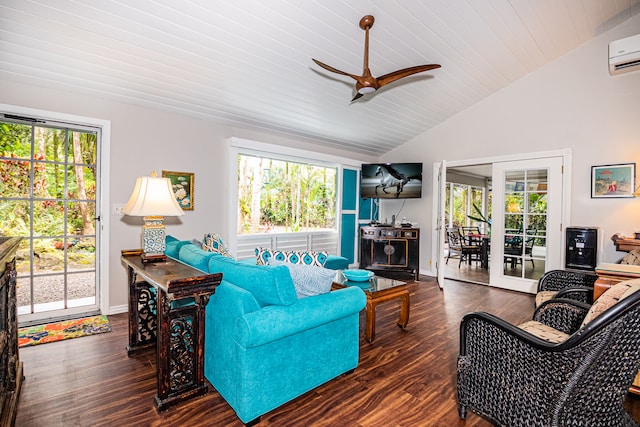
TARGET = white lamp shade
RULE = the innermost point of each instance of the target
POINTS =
(152, 196)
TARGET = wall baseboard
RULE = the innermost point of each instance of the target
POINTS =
(118, 309)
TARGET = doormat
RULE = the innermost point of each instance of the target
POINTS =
(51, 332)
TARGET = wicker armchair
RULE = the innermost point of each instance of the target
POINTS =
(571, 284)
(568, 371)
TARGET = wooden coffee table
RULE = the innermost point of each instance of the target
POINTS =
(378, 289)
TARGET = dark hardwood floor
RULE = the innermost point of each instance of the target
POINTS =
(405, 378)
(474, 273)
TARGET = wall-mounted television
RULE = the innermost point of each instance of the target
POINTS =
(391, 181)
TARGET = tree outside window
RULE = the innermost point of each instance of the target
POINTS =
(284, 196)
(464, 203)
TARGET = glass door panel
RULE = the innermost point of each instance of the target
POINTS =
(525, 213)
(523, 221)
(50, 200)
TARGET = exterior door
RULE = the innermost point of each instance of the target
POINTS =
(526, 222)
(48, 196)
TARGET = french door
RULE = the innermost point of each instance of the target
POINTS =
(526, 233)
(50, 181)
(526, 218)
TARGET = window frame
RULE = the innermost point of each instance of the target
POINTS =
(280, 152)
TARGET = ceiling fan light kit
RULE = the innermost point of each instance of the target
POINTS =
(366, 83)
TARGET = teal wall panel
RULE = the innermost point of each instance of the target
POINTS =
(349, 189)
(347, 239)
(348, 214)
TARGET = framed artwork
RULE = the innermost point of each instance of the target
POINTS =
(612, 181)
(182, 185)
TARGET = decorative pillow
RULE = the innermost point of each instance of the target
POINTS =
(632, 258)
(316, 258)
(263, 255)
(611, 297)
(214, 243)
(308, 280)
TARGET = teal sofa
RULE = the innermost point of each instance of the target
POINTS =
(263, 345)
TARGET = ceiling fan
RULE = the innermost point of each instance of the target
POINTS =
(366, 83)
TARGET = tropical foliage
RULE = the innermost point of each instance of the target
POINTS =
(48, 187)
(278, 195)
(460, 200)
(536, 217)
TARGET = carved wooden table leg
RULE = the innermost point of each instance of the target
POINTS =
(180, 354)
(142, 315)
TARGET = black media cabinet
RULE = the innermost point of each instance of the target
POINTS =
(390, 249)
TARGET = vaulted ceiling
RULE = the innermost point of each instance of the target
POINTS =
(248, 63)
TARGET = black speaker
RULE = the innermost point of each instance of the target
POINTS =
(581, 248)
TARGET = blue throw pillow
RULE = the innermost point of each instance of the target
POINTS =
(317, 258)
(263, 255)
(308, 280)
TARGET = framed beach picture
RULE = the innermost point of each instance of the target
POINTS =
(611, 181)
(182, 185)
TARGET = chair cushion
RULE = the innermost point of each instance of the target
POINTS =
(611, 297)
(543, 331)
(543, 296)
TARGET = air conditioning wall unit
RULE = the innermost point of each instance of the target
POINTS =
(624, 55)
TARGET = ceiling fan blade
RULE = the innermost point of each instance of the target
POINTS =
(334, 70)
(358, 95)
(392, 77)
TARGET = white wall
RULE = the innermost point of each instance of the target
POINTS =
(144, 140)
(573, 103)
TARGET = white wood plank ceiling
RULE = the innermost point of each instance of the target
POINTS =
(248, 63)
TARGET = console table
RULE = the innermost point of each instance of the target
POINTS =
(167, 310)
(10, 365)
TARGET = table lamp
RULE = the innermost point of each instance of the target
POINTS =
(153, 199)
